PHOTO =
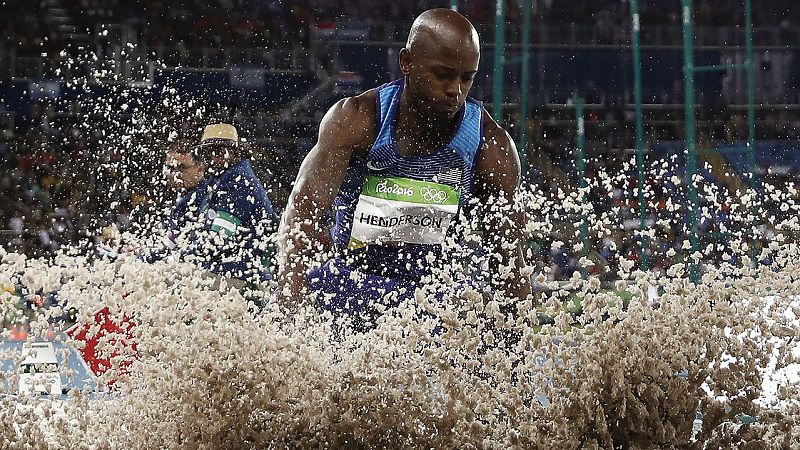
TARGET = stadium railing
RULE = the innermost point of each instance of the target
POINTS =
(572, 35)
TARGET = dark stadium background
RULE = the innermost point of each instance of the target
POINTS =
(70, 164)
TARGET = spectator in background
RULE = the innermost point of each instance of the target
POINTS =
(223, 217)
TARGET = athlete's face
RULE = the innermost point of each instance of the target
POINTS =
(440, 77)
(182, 170)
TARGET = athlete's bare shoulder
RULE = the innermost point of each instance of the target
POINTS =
(495, 135)
(352, 121)
(365, 101)
(498, 162)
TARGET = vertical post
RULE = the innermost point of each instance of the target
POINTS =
(499, 44)
(637, 95)
(691, 148)
(540, 55)
(751, 119)
(751, 115)
(525, 87)
(581, 163)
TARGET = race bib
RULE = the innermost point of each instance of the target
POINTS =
(402, 210)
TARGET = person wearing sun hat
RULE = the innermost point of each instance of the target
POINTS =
(223, 217)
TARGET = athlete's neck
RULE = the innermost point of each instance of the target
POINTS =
(419, 132)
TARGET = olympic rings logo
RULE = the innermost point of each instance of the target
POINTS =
(433, 195)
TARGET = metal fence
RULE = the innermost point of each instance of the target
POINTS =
(574, 35)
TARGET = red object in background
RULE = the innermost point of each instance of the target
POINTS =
(120, 335)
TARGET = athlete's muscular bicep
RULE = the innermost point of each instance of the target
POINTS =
(346, 128)
(497, 175)
(324, 168)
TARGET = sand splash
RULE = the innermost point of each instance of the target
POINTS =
(211, 373)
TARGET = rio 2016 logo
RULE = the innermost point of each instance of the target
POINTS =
(385, 188)
(433, 195)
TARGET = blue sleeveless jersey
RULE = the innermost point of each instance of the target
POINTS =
(452, 165)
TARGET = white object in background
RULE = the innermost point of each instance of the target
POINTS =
(39, 370)
(652, 293)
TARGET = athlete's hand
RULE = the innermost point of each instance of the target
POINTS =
(292, 286)
(291, 257)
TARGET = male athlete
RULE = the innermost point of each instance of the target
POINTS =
(397, 164)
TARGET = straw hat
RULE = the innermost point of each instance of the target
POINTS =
(219, 133)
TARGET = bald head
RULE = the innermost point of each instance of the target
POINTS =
(439, 63)
(441, 27)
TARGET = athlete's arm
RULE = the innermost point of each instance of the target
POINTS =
(497, 174)
(348, 127)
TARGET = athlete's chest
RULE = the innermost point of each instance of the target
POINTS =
(415, 139)
(410, 146)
